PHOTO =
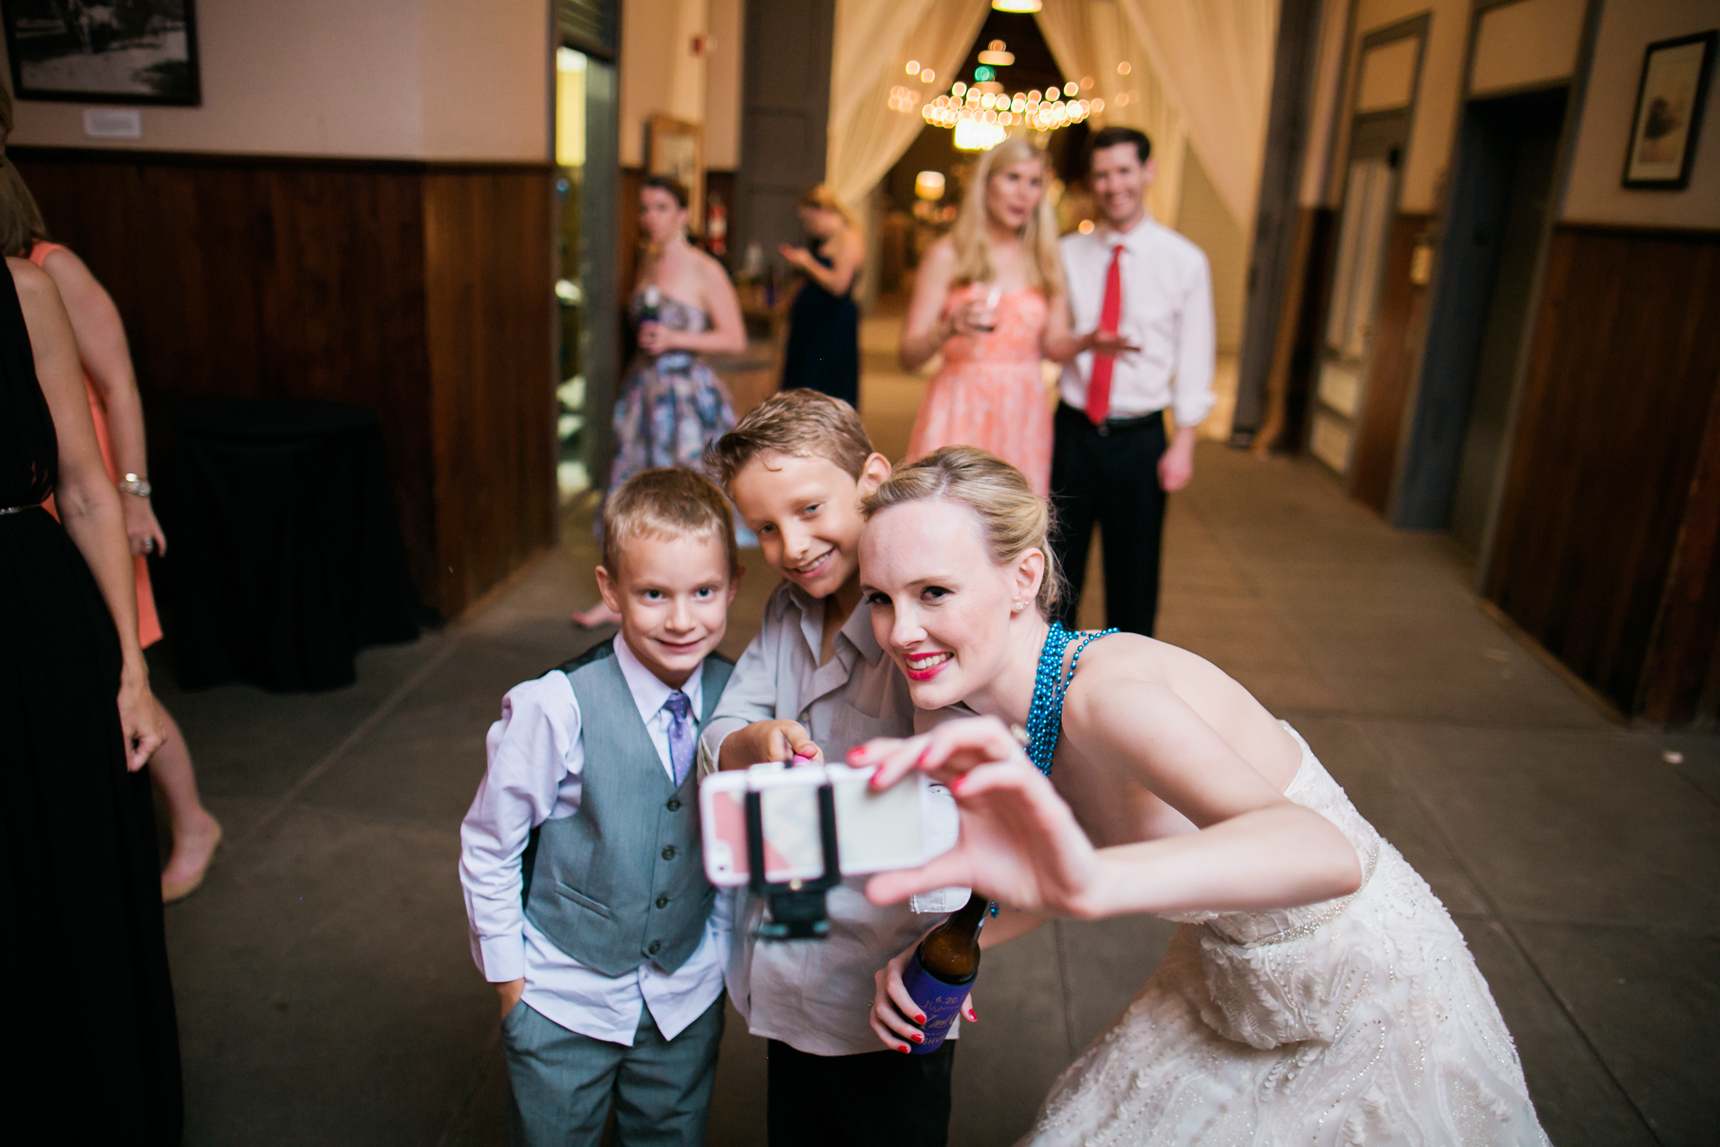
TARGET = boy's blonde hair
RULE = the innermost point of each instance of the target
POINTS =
(799, 423)
(1013, 520)
(667, 503)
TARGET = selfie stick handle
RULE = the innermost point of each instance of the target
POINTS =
(797, 910)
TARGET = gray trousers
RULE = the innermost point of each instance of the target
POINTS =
(563, 1083)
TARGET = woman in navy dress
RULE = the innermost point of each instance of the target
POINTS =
(91, 1014)
(824, 327)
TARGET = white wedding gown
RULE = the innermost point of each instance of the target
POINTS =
(1357, 1021)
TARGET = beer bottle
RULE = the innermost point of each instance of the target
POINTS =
(941, 973)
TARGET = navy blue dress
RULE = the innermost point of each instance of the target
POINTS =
(89, 1014)
(824, 341)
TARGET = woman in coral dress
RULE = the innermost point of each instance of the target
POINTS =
(989, 296)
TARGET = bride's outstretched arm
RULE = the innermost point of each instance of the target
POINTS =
(1020, 843)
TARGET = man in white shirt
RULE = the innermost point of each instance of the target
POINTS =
(1139, 280)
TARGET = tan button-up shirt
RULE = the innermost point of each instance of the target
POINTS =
(816, 996)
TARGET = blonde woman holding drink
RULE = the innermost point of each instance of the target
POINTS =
(990, 297)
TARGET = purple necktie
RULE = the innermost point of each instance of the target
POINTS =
(681, 739)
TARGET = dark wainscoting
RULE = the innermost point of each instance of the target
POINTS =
(490, 313)
(422, 291)
(1398, 323)
(1605, 545)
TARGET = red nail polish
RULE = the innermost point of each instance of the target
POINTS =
(918, 1018)
(918, 1038)
(903, 1049)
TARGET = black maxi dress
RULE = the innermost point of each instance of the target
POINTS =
(92, 1039)
(824, 341)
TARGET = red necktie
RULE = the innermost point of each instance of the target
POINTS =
(1110, 313)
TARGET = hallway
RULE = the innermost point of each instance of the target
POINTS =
(326, 994)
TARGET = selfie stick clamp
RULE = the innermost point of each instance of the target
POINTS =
(797, 909)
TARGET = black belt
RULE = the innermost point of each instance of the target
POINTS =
(1118, 425)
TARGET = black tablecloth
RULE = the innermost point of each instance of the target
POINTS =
(286, 556)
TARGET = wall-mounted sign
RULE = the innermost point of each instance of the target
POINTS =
(123, 52)
(1675, 75)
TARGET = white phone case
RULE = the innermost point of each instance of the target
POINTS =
(875, 831)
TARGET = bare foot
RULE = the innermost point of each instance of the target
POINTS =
(193, 849)
(597, 616)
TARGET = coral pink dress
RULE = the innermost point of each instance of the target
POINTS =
(990, 392)
(148, 621)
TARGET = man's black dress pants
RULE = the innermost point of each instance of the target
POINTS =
(1112, 478)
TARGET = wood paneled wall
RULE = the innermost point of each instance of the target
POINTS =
(1605, 545)
(1398, 321)
(490, 319)
(420, 291)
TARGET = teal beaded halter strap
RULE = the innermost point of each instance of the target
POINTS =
(1050, 686)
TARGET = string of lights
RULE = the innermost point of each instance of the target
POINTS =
(982, 113)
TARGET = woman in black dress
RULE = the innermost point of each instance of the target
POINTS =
(824, 326)
(94, 1041)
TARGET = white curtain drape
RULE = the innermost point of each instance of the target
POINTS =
(874, 41)
(1214, 58)
(1089, 40)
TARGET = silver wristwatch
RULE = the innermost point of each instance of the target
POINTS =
(132, 484)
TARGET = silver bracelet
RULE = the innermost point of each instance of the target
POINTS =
(132, 484)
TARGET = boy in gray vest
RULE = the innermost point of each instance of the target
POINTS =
(815, 682)
(580, 859)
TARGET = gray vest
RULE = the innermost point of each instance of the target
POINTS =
(622, 880)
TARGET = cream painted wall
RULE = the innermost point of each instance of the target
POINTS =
(394, 79)
(659, 73)
(485, 71)
(1595, 193)
(1208, 223)
(1526, 42)
(723, 84)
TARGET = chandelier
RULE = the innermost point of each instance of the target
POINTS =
(983, 113)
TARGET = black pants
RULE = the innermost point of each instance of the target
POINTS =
(879, 1099)
(1111, 479)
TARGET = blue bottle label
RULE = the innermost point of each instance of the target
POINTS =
(940, 1001)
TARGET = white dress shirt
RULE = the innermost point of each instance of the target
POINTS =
(1167, 312)
(816, 996)
(537, 760)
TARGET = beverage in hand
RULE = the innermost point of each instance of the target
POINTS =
(986, 320)
(941, 973)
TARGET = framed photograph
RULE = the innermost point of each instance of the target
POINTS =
(109, 52)
(1675, 75)
(676, 148)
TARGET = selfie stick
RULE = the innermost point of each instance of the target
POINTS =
(797, 910)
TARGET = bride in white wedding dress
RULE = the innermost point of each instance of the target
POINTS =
(1318, 992)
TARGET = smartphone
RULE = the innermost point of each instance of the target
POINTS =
(875, 831)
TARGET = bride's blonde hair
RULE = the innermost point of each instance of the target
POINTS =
(1038, 234)
(1013, 520)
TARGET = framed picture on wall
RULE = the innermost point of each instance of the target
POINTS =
(676, 148)
(1669, 99)
(113, 52)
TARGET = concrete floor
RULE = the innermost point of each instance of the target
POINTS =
(326, 993)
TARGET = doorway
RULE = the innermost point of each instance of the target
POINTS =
(1387, 75)
(1507, 157)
